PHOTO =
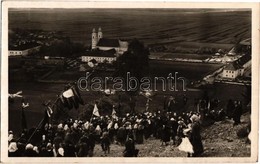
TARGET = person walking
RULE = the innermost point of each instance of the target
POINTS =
(195, 137)
(237, 113)
(130, 150)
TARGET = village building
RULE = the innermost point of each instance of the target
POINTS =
(23, 49)
(236, 68)
(99, 56)
(104, 49)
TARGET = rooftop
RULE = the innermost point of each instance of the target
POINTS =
(244, 59)
(99, 53)
(238, 64)
(233, 66)
(246, 42)
(104, 42)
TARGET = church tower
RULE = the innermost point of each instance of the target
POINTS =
(94, 39)
(100, 33)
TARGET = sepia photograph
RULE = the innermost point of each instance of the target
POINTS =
(88, 82)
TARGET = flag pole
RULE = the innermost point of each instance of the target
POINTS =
(91, 118)
(35, 131)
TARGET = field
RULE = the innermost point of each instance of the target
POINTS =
(190, 71)
(152, 26)
(179, 55)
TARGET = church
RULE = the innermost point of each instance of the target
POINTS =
(104, 49)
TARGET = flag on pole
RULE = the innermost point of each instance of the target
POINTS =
(114, 113)
(46, 119)
(95, 111)
(49, 111)
(71, 98)
(24, 121)
(17, 94)
(68, 93)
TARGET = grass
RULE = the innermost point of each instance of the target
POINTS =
(191, 71)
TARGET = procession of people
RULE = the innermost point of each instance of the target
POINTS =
(79, 138)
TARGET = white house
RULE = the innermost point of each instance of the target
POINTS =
(99, 56)
(236, 68)
(23, 49)
(232, 71)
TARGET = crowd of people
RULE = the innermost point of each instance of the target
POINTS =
(78, 138)
(73, 138)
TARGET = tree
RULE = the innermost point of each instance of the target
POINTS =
(135, 61)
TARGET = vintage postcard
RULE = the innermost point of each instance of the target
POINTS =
(129, 82)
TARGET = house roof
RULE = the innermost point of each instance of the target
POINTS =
(244, 59)
(233, 66)
(246, 42)
(99, 53)
(239, 63)
(23, 46)
(104, 42)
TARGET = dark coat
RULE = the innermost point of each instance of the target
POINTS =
(166, 134)
(69, 150)
(195, 139)
(130, 150)
(139, 136)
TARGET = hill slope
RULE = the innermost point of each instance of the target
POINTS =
(219, 140)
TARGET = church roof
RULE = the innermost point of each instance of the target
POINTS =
(99, 53)
(104, 42)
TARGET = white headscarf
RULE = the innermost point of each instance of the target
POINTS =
(35, 148)
(28, 146)
(116, 126)
(86, 125)
(98, 130)
(12, 147)
(109, 126)
(135, 126)
(10, 137)
(75, 125)
(60, 126)
(61, 151)
(194, 118)
(66, 127)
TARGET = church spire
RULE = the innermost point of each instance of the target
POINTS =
(100, 33)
